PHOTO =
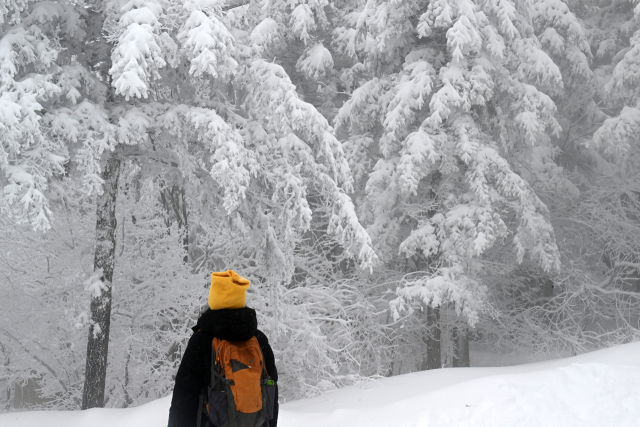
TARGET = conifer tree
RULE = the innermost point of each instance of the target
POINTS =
(450, 100)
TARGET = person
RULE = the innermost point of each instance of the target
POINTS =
(226, 318)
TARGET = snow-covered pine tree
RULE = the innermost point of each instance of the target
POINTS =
(602, 273)
(546, 314)
(451, 116)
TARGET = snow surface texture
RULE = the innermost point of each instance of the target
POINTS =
(595, 389)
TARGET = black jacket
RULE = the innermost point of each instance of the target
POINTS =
(194, 371)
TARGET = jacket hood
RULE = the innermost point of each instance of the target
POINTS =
(237, 324)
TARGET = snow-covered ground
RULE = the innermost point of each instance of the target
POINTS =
(596, 389)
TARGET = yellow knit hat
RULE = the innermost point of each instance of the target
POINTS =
(228, 290)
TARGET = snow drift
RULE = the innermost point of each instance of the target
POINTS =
(595, 389)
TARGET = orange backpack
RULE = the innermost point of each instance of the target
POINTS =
(240, 393)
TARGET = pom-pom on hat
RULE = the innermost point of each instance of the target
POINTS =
(228, 290)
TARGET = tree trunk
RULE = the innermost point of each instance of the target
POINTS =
(98, 342)
(461, 339)
(433, 350)
(432, 339)
(547, 288)
(175, 203)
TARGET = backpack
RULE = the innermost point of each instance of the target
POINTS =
(240, 392)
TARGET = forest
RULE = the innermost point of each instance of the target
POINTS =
(402, 181)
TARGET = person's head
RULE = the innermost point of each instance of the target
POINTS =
(228, 290)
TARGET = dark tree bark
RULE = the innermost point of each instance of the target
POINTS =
(433, 350)
(104, 259)
(547, 288)
(461, 339)
(432, 339)
(175, 203)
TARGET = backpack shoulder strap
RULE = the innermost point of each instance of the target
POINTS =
(265, 379)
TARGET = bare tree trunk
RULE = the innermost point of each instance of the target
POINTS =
(104, 259)
(455, 361)
(461, 339)
(432, 339)
(12, 402)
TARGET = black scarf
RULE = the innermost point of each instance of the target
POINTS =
(239, 324)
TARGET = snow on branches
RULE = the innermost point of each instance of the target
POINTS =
(27, 157)
(95, 99)
(207, 40)
(303, 137)
(450, 285)
(137, 56)
(315, 62)
(620, 84)
(444, 170)
(231, 164)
